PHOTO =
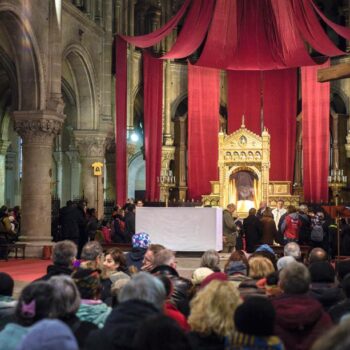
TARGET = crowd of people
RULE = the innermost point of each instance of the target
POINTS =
(138, 300)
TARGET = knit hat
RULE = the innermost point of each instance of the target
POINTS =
(88, 282)
(265, 248)
(215, 276)
(6, 284)
(49, 335)
(200, 274)
(322, 271)
(141, 240)
(236, 267)
(284, 261)
(256, 316)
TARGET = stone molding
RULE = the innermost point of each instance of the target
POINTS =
(4, 145)
(38, 126)
(91, 144)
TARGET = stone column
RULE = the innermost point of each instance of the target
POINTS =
(3, 150)
(168, 139)
(180, 156)
(58, 156)
(91, 145)
(37, 130)
(335, 150)
(110, 169)
(74, 160)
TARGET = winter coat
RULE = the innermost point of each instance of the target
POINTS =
(250, 342)
(7, 310)
(94, 313)
(121, 326)
(252, 230)
(339, 310)
(55, 270)
(328, 294)
(291, 226)
(269, 231)
(207, 342)
(171, 311)
(12, 335)
(300, 320)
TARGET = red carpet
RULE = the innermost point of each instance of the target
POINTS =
(25, 270)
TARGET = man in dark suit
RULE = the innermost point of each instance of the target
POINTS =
(252, 229)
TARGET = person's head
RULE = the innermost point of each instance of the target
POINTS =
(231, 208)
(6, 284)
(213, 307)
(280, 204)
(37, 301)
(64, 253)
(267, 213)
(69, 203)
(317, 254)
(284, 261)
(88, 282)
(139, 203)
(259, 267)
(165, 257)
(211, 259)
(345, 284)
(160, 332)
(303, 208)
(322, 271)
(291, 209)
(49, 335)
(115, 260)
(145, 287)
(130, 208)
(200, 274)
(92, 251)
(141, 240)
(3, 211)
(252, 211)
(292, 249)
(66, 294)
(263, 205)
(148, 259)
(294, 279)
(255, 316)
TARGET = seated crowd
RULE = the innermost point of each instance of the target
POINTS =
(138, 300)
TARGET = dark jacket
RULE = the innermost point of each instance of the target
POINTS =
(338, 311)
(252, 230)
(206, 342)
(69, 220)
(135, 257)
(55, 270)
(328, 294)
(129, 225)
(121, 326)
(300, 320)
(269, 231)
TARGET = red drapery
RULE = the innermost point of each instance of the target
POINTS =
(280, 109)
(315, 122)
(120, 91)
(203, 128)
(153, 84)
(244, 97)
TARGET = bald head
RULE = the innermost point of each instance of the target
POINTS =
(317, 254)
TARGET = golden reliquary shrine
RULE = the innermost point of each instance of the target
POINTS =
(244, 165)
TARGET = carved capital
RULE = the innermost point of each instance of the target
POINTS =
(37, 126)
(90, 144)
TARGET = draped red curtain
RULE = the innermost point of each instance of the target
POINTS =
(153, 95)
(315, 123)
(203, 128)
(120, 92)
(244, 97)
(280, 109)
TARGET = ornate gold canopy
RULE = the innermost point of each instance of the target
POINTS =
(244, 164)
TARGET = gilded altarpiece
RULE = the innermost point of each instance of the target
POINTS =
(244, 165)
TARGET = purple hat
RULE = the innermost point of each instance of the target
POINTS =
(141, 240)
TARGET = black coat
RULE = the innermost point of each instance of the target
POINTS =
(129, 225)
(69, 221)
(206, 342)
(252, 229)
(121, 326)
(55, 270)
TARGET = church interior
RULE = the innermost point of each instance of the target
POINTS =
(244, 107)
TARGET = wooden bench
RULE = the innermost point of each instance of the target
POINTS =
(7, 248)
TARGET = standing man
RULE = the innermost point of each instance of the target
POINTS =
(278, 212)
(229, 228)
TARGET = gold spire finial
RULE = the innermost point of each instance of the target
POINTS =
(243, 126)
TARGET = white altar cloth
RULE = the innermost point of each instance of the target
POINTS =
(182, 228)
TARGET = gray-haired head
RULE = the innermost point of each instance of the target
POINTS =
(165, 257)
(295, 278)
(67, 295)
(284, 261)
(64, 253)
(146, 287)
(91, 251)
(292, 249)
(211, 259)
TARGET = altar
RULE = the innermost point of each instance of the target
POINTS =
(244, 165)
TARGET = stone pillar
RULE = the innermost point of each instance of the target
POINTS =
(335, 148)
(74, 160)
(168, 139)
(180, 156)
(110, 169)
(37, 130)
(91, 145)
(118, 17)
(3, 150)
(57, 187)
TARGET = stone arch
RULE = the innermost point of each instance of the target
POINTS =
(338, 96)
(84, 84)
(26, 57)
(178, 103)
(136, 175)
